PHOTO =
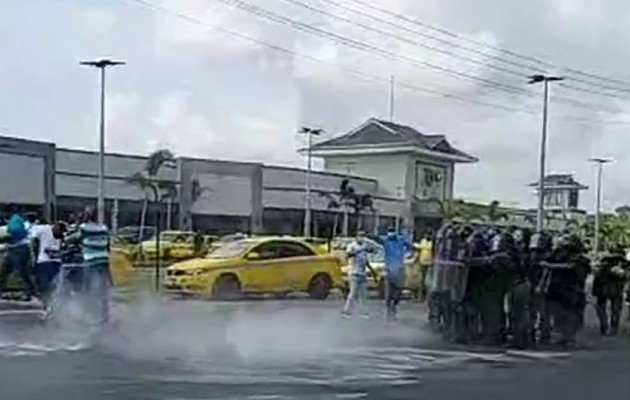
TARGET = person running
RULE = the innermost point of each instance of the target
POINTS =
(358, 252)
(395, 247)
(18, 256)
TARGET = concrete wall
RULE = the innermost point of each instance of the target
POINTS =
(232, 189)
(77, 172)
(27, 173)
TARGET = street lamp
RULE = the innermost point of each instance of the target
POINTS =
(598, 201)
(545, 79)
(309, 132)
(101, 64)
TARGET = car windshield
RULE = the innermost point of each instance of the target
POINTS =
(231, 249)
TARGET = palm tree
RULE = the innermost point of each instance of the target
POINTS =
(362, 203)
(347, 198)
(148, 179)
(334, 205)
(494, 212)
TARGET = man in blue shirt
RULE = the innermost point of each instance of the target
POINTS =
(395, 246)
(18, 256)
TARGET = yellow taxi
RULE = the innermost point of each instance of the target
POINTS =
(413, 270)
(257, 265)
(184, 250)
(168, 239)
(121, 267)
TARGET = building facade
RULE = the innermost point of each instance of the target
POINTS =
(234, 196)
(415, 168)
(561, 196)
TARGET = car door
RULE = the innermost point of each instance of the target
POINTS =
(297, 265)
(261, 274)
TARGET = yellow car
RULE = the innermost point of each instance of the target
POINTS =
(413, 272)
(168, 239)
(257, 265)
(184, 250)
(120, 265)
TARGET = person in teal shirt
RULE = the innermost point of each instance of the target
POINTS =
(395, 246)
(19, 256)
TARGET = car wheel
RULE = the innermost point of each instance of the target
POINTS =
(381, 289)
(227, 287)
(320, 286)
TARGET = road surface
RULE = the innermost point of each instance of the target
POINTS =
(290, 349)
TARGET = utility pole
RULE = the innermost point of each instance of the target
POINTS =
(309, 132)
(101, 64)
(392, 87)
(598, 202)
(545, 79)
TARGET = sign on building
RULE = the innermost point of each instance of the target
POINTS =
(430, 182)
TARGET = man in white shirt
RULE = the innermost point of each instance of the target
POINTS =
(358, 252)
(47, 240)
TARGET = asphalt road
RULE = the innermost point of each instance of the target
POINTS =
(290, 349)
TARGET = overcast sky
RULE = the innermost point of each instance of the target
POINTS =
(205, 93)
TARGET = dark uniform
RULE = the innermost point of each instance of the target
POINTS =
(449, 266)
(540, 247)
(520, 303)
(608, 288)
(470, 286)
(562, 284)
(436, 292)
(496, 285)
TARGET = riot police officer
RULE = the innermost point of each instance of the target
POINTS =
(582, 266)
(520, 293)
(608, 287)
(451, 265)
(496, 284)
(562, 285)
(471, 281)
(437, 277)
(458, 298)
(540, 247)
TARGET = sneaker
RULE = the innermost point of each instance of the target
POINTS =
(346, 313)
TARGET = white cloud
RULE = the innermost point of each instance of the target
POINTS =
(99, 21)
(209, 94)
(197, 30)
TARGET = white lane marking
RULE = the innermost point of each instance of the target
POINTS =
(539, 355)
(20, 312)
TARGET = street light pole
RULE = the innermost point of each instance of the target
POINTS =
(101, 64)
(545, 79)
(598, 202)
(309, 162)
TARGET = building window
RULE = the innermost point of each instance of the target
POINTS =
(573, 199)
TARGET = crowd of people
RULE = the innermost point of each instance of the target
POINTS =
(57, 260)
(500, 285)
(489, 284)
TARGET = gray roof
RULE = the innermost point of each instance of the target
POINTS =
(378, 132)
(560, 180)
